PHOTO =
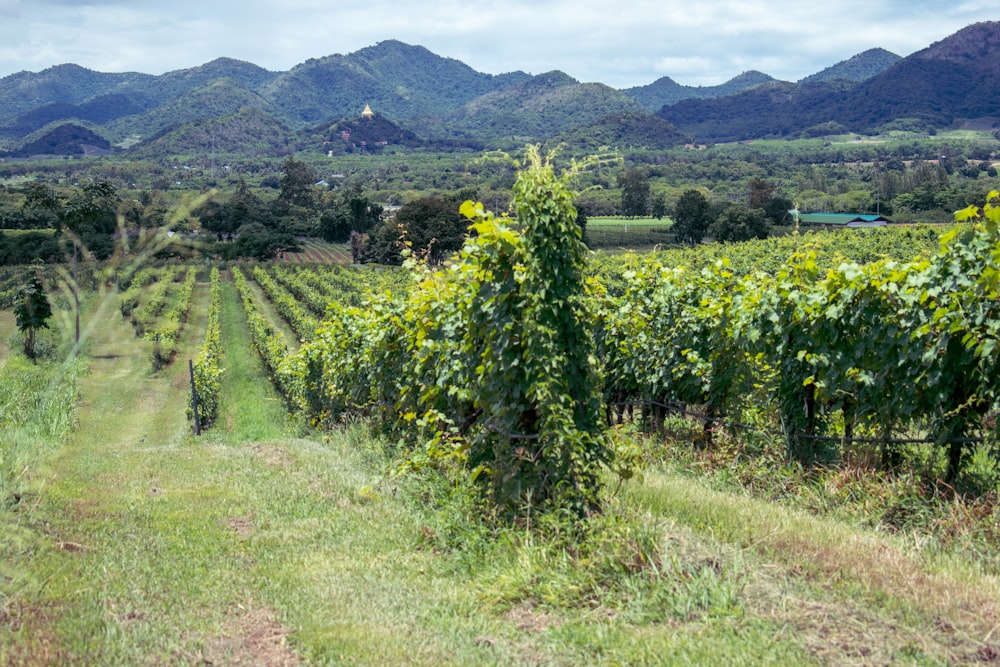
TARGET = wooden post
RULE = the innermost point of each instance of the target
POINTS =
(194, 400)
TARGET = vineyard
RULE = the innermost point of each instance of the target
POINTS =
(533, 379)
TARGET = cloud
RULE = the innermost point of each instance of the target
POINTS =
(623, 44)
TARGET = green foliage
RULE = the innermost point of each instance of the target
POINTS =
(287, 305)
(167, 332)
(134, 288)
(88, 215)
(634, 184)
(430, 226)
(692, 217)
(32, 312)
(152, 303)
(269, 343)
(297, 184)
(29, 247)
(739, 223)
(353, 212)
(659, 206)
(208, 364)
(37, 407)
(263, 243)
(491, 359)
(884, 348)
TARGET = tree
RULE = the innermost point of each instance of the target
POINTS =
(739, 223)
(297, 183)
(259, 242)
(336, 224)
(692, 217)
(32, 312)
(89, 217)
(352, 213)
(776, 209)
(635, 192)
(659, 206)
(432, 227)
(759, 193)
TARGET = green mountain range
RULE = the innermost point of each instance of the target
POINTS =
(954, 80)
(424, 99)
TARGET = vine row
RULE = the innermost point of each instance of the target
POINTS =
(165, 336)
(208, 363)
(269, 343)
(301, 321)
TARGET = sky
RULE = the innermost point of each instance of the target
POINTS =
(621, 44)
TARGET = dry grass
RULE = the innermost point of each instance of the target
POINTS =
(849, 595)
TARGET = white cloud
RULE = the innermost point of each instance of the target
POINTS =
(621, 44)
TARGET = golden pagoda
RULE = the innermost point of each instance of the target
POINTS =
(367, 114)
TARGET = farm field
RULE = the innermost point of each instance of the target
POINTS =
(775, 452)
(627, 233)
(319, 252)
(128, 540)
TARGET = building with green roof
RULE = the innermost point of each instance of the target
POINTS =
(839, 219)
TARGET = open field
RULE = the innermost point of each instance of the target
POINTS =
(621, 233)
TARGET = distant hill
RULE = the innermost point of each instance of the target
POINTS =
(64, 139)
(665, 91)
(367, 133)
(955, 79)
(539, 107)
(99, 110)
(210, 99)
(860, 67)
(248, 131)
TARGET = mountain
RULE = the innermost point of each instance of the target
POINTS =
(860, 67)
(368, 132)
(665, 91)
(771, 110)
(955, 79)
(398, 80)
(539, 107)
(424, 99)
(173, 84)
(99, 110)
(144, 99)
(211, 99)
(63, 84)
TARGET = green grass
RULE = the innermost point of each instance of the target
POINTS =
(631, 233)
(616, 222)
(7, 329)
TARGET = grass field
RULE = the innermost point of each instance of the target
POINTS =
(633, 233)
(132, 542)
